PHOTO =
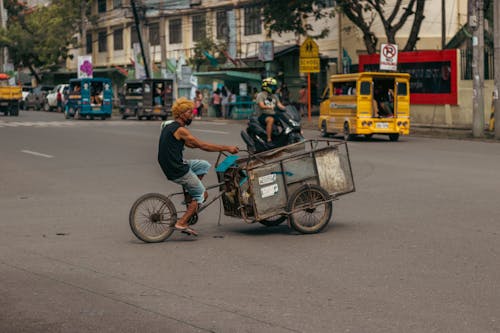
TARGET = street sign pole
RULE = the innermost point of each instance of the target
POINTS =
(309, 63)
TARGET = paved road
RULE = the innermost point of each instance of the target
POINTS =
(415, 249)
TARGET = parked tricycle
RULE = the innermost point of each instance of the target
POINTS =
(148, 98)
(89, 98)
(297, 183)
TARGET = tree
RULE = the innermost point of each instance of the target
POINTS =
(282, 16)
(296, 15)
(364, 12)
(40, 38)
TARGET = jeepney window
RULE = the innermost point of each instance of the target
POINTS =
(365, 88)
(344, 88)
(402, 89)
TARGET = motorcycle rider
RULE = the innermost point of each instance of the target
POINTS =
(266, 102)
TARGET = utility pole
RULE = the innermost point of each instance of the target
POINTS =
(443, 24)
(139, 35)
(477, 23)
(496, 65)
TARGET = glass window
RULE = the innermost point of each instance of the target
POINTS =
(199, 26)
(117, 3)
(134, 38)
(102, 41)
(365, 88)
(402, 89)
(154, 34)
(252, 21)
(222, 26)
(101, 6)
(118, 39)
(175, 31)
(89, 43)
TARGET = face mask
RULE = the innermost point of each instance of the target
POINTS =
(188, 121)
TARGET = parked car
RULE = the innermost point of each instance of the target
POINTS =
(36, 98)
(51, 99)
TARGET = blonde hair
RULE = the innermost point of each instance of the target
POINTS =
(181, 105)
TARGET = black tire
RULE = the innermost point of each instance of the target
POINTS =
(309, 210)
(273, 221)
(324, 133)
(368, 136)
(394, 137)
(152, 218)
(163, 118)
(347, 132)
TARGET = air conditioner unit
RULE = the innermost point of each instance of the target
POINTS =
(195, 2)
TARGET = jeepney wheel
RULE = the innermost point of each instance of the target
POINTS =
(152, 218)
(347, 132)
(324, 133)
(394, 137)
(103, 117)
(273, 221)
(310, 209)
(163, 118)
(124, 117)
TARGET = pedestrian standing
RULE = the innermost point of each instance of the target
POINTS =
(198, 104)
(216, 102)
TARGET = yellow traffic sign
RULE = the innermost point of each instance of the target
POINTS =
(309, 65)
(309, 49)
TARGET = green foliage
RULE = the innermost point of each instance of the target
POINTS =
(40, 38)
(207, 45)
(283, 16)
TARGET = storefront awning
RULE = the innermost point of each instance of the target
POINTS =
(230, 76)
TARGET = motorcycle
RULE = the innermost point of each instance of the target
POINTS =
(286, 130)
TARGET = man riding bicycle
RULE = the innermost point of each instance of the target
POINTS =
(187, 173)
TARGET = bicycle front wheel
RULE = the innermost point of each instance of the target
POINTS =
(152, 218)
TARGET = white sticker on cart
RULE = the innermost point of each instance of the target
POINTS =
(267, 179)
(269, 191)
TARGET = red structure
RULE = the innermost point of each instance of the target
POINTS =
(433, 74)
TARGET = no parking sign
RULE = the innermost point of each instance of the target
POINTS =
(389, 57)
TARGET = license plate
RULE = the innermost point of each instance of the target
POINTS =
(382, 125)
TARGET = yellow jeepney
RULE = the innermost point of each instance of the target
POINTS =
(367, 103)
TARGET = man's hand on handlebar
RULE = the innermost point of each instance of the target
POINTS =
(233, 149)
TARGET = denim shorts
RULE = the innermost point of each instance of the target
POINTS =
(190, 181)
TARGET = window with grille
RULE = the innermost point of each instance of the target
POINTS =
(102, 41)
(175, 31)
(199, 26)
(154, 34)
(89, 43)
(252, 21)
(134, 38)
(222, 26)
(118, 39)
(101, 6)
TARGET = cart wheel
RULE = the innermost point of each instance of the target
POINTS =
(152, 217)
(274, 221)
(309, 209)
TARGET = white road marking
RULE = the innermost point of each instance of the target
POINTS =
(36, 154)
(209, 131)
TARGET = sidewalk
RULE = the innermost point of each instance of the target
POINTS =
(420, 130)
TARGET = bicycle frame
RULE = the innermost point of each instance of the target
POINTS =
(211, 201)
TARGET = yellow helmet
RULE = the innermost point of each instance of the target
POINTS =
(270, 85)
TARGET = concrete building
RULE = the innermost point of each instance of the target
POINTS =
(171, 30)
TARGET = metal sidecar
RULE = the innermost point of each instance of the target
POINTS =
(298, 182)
